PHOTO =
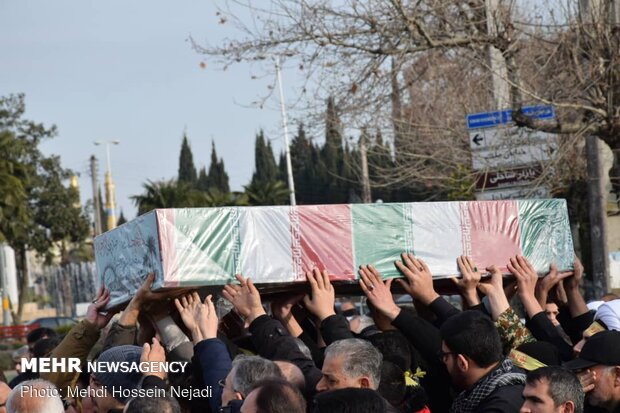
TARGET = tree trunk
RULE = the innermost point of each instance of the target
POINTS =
(22, 263)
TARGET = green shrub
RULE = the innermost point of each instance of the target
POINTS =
(6, 361)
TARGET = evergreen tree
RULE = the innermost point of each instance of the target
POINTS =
(121, 219)
(187, 170)
(203, 180)
(103, 215)
(282, 169)
(332, 156)
(304, 160)
(217, 177)
(379, 161)
(265, 166)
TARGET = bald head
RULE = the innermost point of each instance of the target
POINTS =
(292, 374)
(34, 396)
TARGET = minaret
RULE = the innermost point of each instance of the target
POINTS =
(110, 201)
(74, 184)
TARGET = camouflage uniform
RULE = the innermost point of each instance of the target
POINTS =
(512, 331)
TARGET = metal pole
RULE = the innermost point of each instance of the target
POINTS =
(6, 316)
(96, 200)
(289, 165)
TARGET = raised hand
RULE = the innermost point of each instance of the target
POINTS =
(378, 291)
(322, 298)
(493, 288)
(154, 353)
(419, 280)
(282, 311)
(574, 282)
(190, 309)
(548, 282)
(469, 282)
(245, 298)
(526, 277)
(95, 314)
(208, 319)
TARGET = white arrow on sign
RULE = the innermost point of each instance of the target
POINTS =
(503, 136)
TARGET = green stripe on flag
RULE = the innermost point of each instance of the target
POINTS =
(545, 234)
(381, 232)
(208, 245)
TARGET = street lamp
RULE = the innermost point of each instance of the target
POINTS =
(110, 200)
(289, 165)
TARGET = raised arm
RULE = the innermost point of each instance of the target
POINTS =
(468, 283)
(201, 320)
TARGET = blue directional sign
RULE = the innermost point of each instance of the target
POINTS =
(502, 117)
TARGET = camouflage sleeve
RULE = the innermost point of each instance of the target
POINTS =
(512, 331)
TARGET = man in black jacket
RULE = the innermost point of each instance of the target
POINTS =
(472, 353)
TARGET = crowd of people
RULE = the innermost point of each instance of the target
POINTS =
(316, 353)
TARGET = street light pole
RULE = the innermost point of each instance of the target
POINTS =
(289, 166)
(110, 198)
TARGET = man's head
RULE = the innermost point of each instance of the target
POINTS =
(349, 400)
(292, 374)
(274, 396)
(35, 396)
(39, 334)
(5, 390)
(552, 390)
(247, 371)
(601, 356)
(552, 310)
(470, 347)
(351, 363)
(118, 380)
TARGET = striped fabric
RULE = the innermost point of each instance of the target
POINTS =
(207, 246)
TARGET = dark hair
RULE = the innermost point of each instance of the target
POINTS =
(44, 347)
(542, 351)
(39, 333)
(392, 387)
(166, 404)
(564, 386)
(395, 348)
(278, 396)
(349, 401)
(473, 334)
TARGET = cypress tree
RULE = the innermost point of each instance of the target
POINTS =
(203, 180)
(187, 170)
(305, 161)
(265, 166)
(379, 161)
(217, 177)
(332, 156)
(282, 170)
(121, 219)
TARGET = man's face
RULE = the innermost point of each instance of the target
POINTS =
(228, 392)
(552, 311)
(605, 393)
(102, 403)
(538, 399)
(449, 358)
(334, 377)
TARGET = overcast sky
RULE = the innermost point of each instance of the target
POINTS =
(125, 70)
